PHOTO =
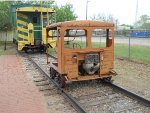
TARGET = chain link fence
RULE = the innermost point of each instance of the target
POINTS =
(132, 48)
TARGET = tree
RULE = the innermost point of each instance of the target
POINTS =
(5, 15)
(103, 17)
(65, 13)
(143, 23)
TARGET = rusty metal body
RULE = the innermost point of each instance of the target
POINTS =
(83, 59)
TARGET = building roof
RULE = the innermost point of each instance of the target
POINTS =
(81, 23)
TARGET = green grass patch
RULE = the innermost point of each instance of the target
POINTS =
(98, 45)
(137, 52)
(75, 45)
(121, 50)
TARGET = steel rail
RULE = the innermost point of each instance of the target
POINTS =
(52, 56)
(130, 94)
(66, 95)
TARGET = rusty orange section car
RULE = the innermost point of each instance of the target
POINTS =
(84, 51)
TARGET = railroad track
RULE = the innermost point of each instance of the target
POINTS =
(50, 87)
(108, 98)
(95, 96)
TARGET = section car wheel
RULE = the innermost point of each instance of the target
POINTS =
(108, 79)
(52, 73)
(62, 81)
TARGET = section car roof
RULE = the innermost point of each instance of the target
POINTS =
(81, 23)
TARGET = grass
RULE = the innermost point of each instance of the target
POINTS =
(137, 53)
(75, 44)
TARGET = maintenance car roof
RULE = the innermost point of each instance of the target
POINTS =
(81, 23)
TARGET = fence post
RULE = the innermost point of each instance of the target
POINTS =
(129, 49)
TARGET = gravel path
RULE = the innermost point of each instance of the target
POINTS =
(133, 76)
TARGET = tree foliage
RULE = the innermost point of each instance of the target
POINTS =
(48, 3)
(143, 22)
(5, 15)
(65, 13)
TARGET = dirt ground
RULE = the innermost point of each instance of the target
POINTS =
(133, 76)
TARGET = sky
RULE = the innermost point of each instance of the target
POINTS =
(123, 10)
